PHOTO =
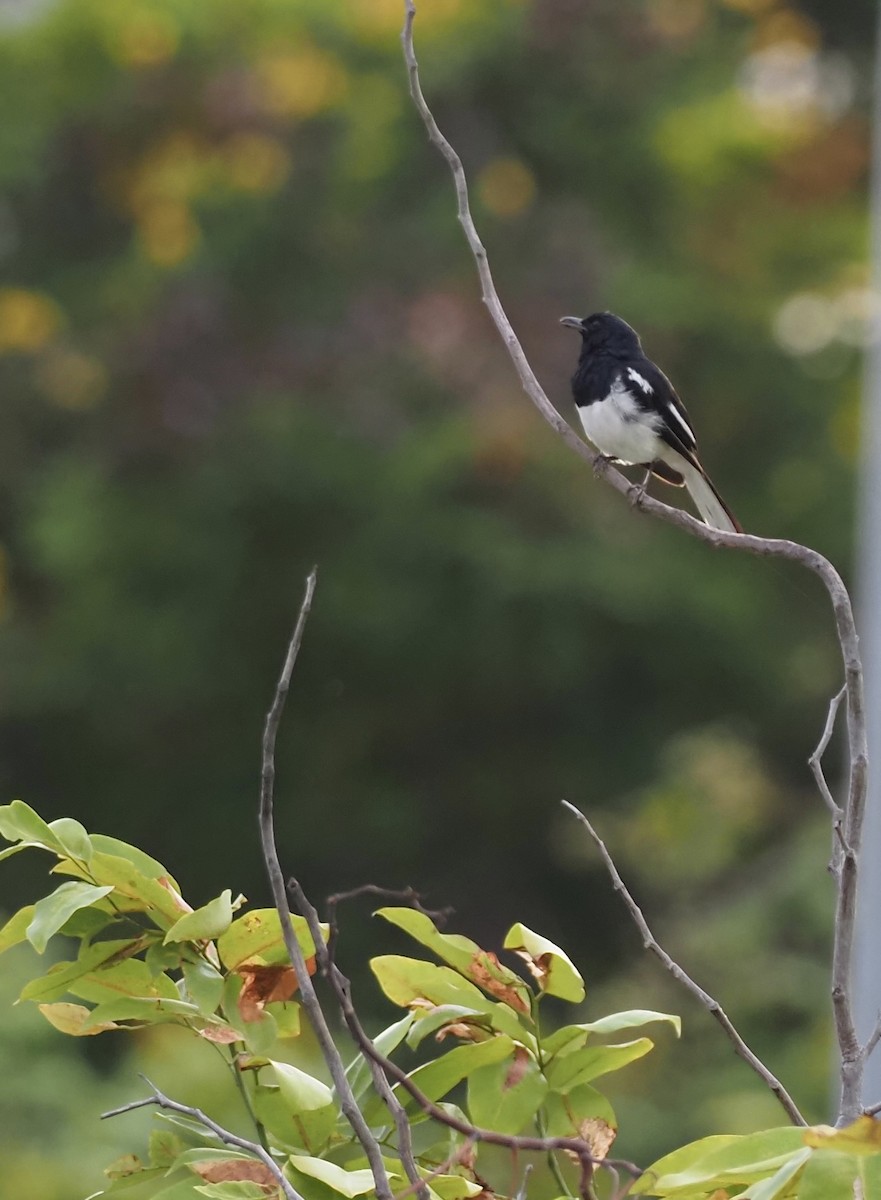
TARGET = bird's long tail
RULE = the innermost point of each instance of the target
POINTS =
(710, 504)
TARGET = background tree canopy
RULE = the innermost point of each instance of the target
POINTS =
(240, 333)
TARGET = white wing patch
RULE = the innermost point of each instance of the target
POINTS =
(638, 379)
(675, 418)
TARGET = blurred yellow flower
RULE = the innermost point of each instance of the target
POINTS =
(168, 234)
(301, 83)
(27, 319)
(506, 187)
(72, 379)
(145, 38)
(677, 18)
(175, 168)
(255, 162)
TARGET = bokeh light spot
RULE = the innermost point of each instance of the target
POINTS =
(71, 379)
(506, 187)
(27, 319)
(301, 83)
(146, 39)
(168, 233)
(255, 162)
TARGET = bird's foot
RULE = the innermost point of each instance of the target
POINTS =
(601, 464)
(637, 491)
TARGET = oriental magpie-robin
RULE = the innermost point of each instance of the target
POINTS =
(631, 413)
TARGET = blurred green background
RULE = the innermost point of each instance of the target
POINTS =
(240, 333)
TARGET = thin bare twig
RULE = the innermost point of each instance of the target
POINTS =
(270, 856)
(340, 985)
(458, 1156)
(873, 1039)
(845, 914)
(230, 1139)
(815, 762)
(712, 1006)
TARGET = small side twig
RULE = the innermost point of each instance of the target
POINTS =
(712, 1006)
(815, 762)
(230, 1139)
(308, 996)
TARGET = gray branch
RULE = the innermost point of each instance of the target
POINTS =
(270, 856)
(713, 1007)
(230, 1139)
(851, 1066)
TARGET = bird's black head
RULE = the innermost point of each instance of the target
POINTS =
(604, 333)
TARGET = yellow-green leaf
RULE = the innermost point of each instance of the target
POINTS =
(73, 1019)
(553, 970)
(257, 938)
(863, 1136)
(206, 923)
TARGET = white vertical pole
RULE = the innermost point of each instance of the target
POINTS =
(867, 982)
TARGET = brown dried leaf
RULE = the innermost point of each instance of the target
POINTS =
(235, 1170)
(263, 984)
(221, 1034)
(489, 974)
(517, 1069)
(459, 1029)
(538, 967)
(599, 1135)
(179, 901)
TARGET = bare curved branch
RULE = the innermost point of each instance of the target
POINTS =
(851, 1066)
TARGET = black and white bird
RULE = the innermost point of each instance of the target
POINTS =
(631, 413)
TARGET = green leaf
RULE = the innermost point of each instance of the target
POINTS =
(441, 1075)
(58, 978)
(453, 1187)
(632, 1019)
(308, 1129)
(204, 985)
(553, 970)
(52, 911)
(564, 1113)
(130, 978)
(260, 1035)
(346, 1183)
(300, 1091)
(15, 929)
(136, 892)
(506, 1096)
(165, 1147)
(407, 979)
(680, 1160)
(257, 938)
(146, 1010)
(286, 1015)
(830, 1175)
(72, 838)
(19, 823)
(358, 1070)
(160, 958)
(477, 965)
(778, 1185)
(206, 923)
(146, 866)
(717, 1162)
(567, 1071)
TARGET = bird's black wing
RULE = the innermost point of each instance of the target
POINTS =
(655, 391)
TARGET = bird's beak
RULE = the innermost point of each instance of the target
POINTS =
(572, 322)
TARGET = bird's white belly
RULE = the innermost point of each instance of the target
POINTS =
(620, 428)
